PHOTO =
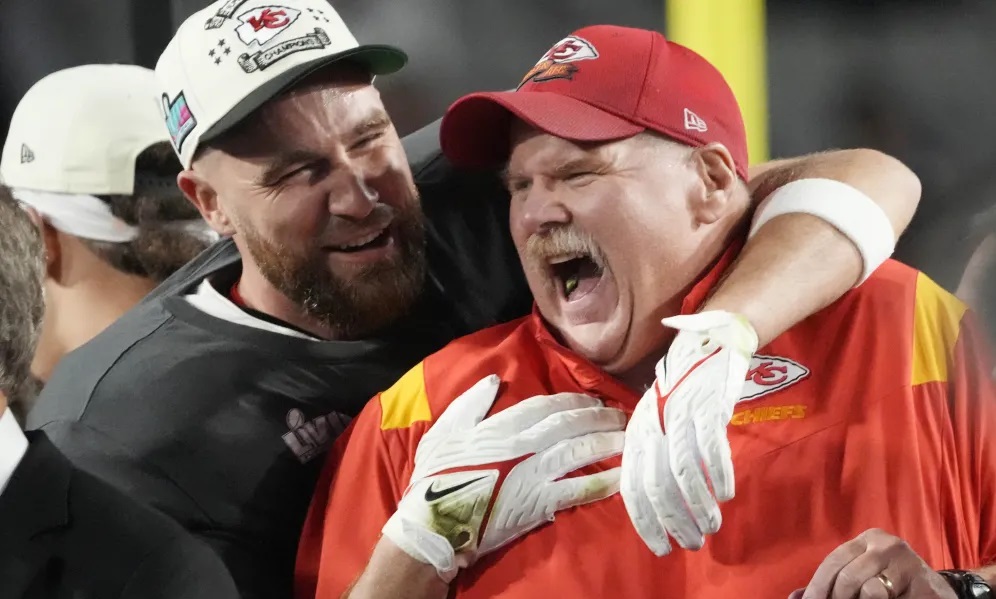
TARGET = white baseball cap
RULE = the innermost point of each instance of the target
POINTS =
(230, 58)
(75, 135)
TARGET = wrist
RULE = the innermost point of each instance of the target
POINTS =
(967, 585)
(421, 545)
(844, 207)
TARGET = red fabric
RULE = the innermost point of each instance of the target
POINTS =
(235, 296)
(603, 83)
(851, 446)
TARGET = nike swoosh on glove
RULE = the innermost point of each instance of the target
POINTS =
(479, 484)
(676, 437)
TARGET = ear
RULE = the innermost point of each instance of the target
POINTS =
(718, 173)
(204, 197)
(50, 240)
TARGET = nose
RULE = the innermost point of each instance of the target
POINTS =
(354, 198)
(542, 209)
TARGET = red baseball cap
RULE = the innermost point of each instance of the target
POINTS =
(600, 84)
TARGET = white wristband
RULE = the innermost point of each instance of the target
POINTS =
(851, 212)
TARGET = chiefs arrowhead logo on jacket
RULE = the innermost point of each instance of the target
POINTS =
(769, 374)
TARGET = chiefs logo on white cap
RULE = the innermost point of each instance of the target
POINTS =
(263, 23)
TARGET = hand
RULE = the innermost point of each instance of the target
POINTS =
(664, 485)
(517, 455)
(865, 567)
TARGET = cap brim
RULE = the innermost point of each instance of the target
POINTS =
(377, 59)
(475, 130)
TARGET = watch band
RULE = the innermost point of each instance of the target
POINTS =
(968, 585)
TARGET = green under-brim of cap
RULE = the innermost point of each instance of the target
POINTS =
(379, 60)
(376, 58)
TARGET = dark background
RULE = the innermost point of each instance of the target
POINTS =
(912, 78)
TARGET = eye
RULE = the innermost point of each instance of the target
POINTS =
(310, 172)
(518, 185)
(366, 140)
(580, 177)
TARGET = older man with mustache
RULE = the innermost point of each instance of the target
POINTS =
(626, 166)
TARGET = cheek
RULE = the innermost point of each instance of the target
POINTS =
(290, 218)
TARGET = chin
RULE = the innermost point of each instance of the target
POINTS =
(599, 343)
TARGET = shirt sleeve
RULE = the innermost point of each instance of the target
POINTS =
(363, 481)
(972, 399)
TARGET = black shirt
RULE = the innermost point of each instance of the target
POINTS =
(222, 426)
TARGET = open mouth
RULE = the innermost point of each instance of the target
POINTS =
(576, 276)
(377, 239)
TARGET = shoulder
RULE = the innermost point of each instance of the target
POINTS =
(425, 390)
(905, 306)
(220, 255)
(145, 546)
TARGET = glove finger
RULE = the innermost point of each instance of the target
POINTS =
(714, 447)
(523, 415)
(697, 323)
(667, 501)
(470, 407)
(571, 454)
(463, 413)
(566, 425)
(685, 465)
(581, 490)
(634, 470)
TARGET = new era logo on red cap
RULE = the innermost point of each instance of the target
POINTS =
(555, 63)
(694, 123)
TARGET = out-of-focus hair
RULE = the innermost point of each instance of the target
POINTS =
(162, 245)
(22, 304)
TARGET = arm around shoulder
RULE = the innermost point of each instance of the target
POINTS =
(884, 179)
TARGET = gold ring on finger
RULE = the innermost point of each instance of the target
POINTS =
(887, 583)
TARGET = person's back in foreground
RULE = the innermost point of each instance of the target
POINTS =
(65, 533)
(876, 413)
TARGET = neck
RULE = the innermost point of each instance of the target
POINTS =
(260, 295)
(76, 312)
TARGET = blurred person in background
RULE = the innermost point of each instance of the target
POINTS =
(977, 286)
(64, 533)
(87, 150)
(875, 413)
(216, 399)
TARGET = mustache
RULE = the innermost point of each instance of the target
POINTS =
(564, 241)
(380, 217)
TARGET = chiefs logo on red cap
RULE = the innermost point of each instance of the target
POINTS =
(555, 64)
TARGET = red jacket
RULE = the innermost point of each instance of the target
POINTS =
(878, 412)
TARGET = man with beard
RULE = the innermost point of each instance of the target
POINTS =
(876, 414)
(216, 399)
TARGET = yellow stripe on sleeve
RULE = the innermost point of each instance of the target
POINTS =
(406, 402)
(936, 322)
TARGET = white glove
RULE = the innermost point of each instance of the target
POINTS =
(447, 518)
(664, 484)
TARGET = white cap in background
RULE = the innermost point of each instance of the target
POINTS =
(230, 58)
(75, 135)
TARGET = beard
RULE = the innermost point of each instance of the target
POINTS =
(370, 298)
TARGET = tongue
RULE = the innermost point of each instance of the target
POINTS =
(588, 276)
